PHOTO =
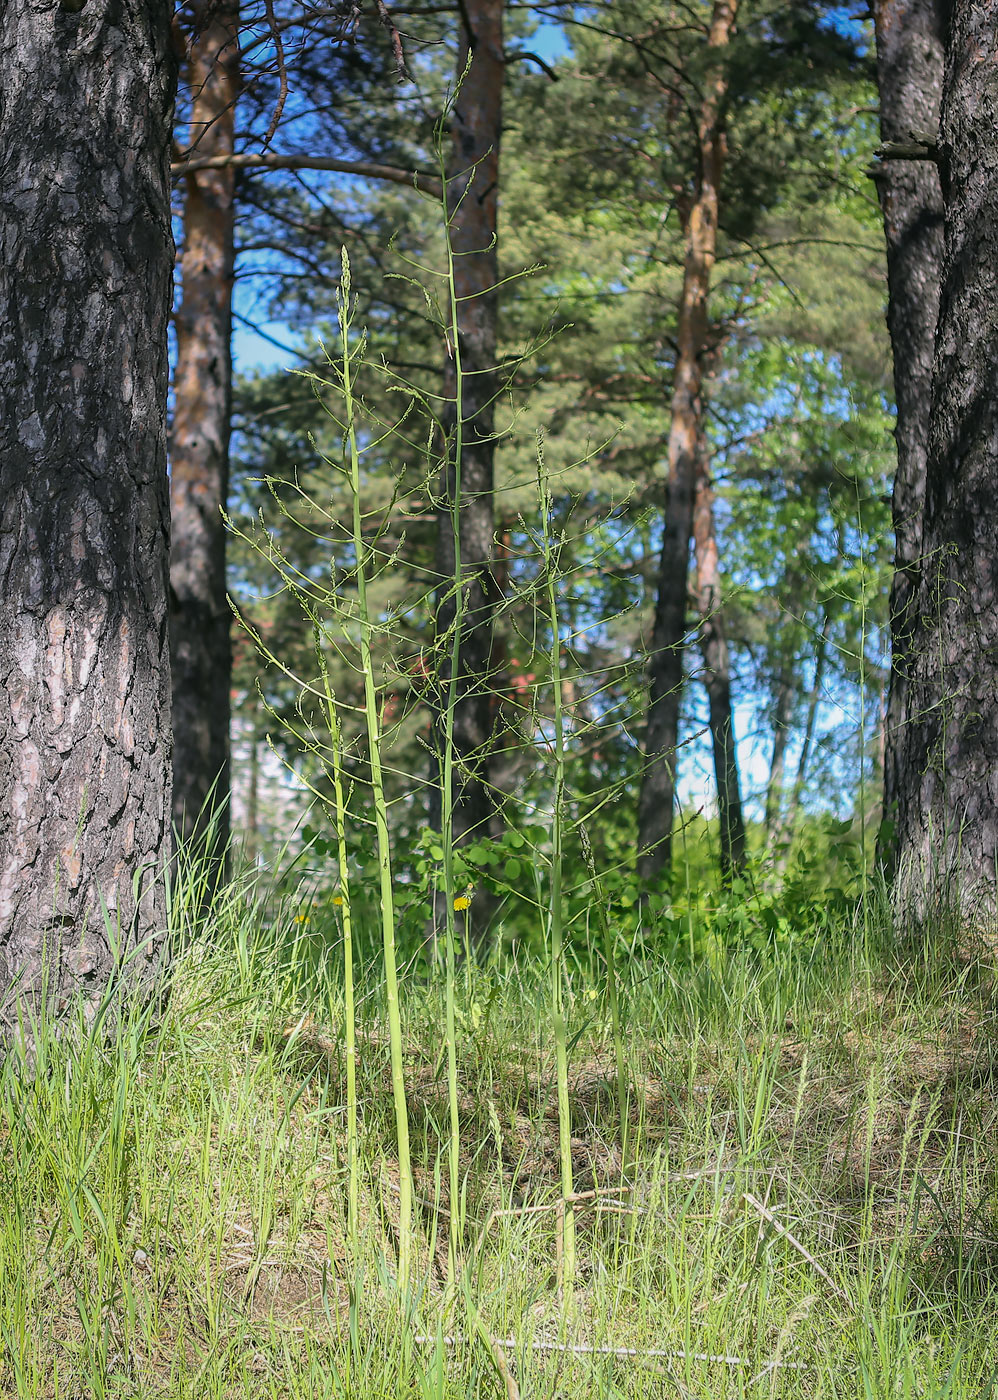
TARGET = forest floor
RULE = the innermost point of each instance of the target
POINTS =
(809, 1205)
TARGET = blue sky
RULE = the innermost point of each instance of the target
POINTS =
(253, 351)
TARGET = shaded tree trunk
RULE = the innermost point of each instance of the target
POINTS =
(810, 724)
(777, 763)
(717, 672)
(200, 619)
(473, 212)
(86, 103)
(948, 783)
(910, 36)
(665, 664)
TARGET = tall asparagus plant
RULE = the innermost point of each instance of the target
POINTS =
(387, 892)
(550, 548)
(346, 922)
(332, 626)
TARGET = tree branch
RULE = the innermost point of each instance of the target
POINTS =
(282, 69)
(426, 184)
(527, 56)
(395, 38)
(920, 145)
(906, 150)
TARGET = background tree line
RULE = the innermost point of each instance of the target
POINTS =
(625, 290)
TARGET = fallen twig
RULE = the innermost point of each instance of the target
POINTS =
(585, 1349)
(771, 1219)
(502, 1366)
(596, 1198)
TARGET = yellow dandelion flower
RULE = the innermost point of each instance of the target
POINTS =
(463, 901)
(301, 918)
(337, 899)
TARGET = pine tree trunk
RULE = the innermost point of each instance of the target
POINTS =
(665, 663)
(86, 102)
(777, 763)
(910, 74)
(810, 725)
(473, 206)
(948, 787)
(717, 672)
(200, 618)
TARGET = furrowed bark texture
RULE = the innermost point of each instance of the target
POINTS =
(473, 213)
(910, 35)
(200, 619)
(665, 663)
(948, 787)
(717, 672)
(86, 258)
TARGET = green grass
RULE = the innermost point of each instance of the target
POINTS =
(173, 1200)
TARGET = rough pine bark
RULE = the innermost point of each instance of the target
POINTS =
(948, 786)
(717, 672)
(473, 219)
(86, 259)
(665, 662)
(910, 35)
(200, 619)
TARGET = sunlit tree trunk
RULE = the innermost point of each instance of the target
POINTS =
(199, 449)
(910, 74)
(86, 104)
(948, 784)
(717, 670)
(665, 663)
(473, 213)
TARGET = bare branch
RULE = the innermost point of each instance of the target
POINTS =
(907, 150)
(282, 68)
(920, 145)
(385, 16)
(529, 57)
(372, 170)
